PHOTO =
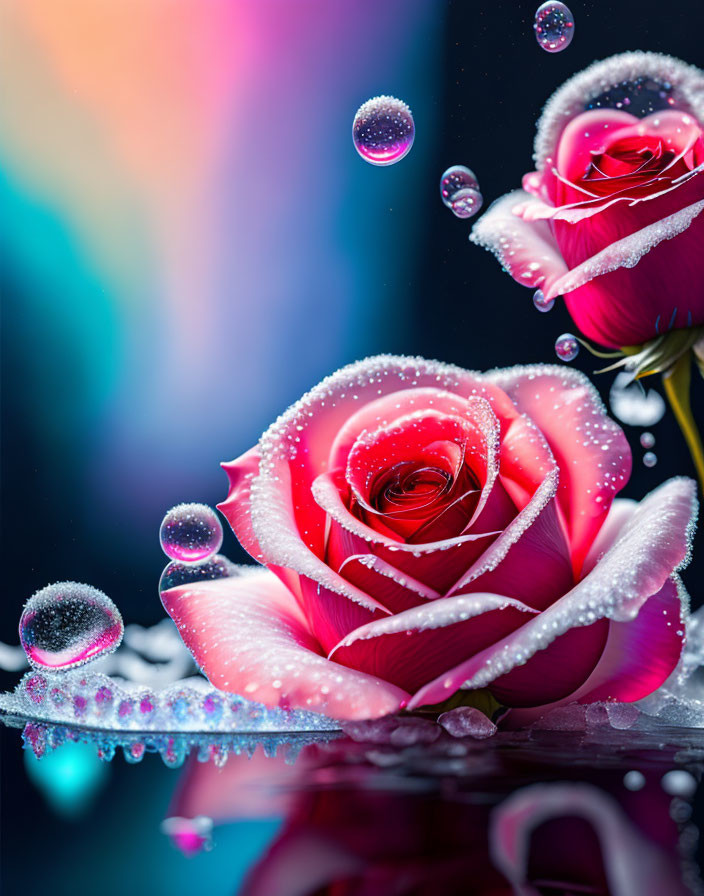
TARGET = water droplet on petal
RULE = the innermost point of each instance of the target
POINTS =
(68, 624)
(553, 26)
(649, 459)
(190, 532)
(566, 347)
(459, 190)
(541, 302)
(635, 405)
(647, 440)
(177, 573)
(383, 130)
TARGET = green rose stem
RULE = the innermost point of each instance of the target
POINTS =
(677, 382)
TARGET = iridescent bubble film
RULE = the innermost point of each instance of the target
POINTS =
(566, 347)
(177, 573)
(541, 302)
(383, 130)
(553, 26)
(68, 624)
(459, 190)
(190, 532)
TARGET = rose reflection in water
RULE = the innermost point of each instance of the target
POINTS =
(452, 818)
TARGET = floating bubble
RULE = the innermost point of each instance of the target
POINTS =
(650, 459)
(68, 624)
(541, 302)
(383, 130)
(553, 26)
(459, 190)
(647, 440)
(190, 532)
(177, 573)
(635, 405)
(634, 780)
(566, 347)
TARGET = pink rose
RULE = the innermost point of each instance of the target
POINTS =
(612, 218)
(425, 529)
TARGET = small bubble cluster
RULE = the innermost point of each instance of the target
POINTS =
(541, 302)
(383, 130)
(566, 347)
(459, 190)
(190, 532)
(68, 624)
(553, 26)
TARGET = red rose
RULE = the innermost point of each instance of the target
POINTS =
(425, 529)
(612, 218)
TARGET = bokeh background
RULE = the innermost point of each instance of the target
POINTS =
(189, 241)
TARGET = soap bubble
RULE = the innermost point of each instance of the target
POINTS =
(541, 302)
(650, 459)
(566, 347)
(190, 532)
(383, 130)
(177, 573)
(640, 96)
(553, 26)
(459, 190)
(68, 624)
(633, 404)
(647, 440)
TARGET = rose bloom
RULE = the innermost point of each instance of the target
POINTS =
(426, 529)
(612, 218)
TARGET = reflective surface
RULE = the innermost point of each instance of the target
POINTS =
(532, 812)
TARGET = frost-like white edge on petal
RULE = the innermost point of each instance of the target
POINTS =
(493, 232)
(626, 252)
(280, 546)
(587, 602)
(569, 100)
(439, 614)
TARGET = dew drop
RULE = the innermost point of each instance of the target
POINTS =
(68, 624)
(566, 347)
(190, 532)
(177, 573)
(541, 302)
(553, 26)
(649, 459)
(383, 130)
(459, 190)
(647, 440)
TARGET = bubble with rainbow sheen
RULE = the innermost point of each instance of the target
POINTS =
(553, 26)
(383, 130)
(190, 533)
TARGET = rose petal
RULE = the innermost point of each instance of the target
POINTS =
(591, 450)
(528, 251)
(537, 568)
(397, 591)
(436, 564)
(632, 865)
(249, 636)
(412, 647)
(640, 655)
(571, 98)
(654, 543)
